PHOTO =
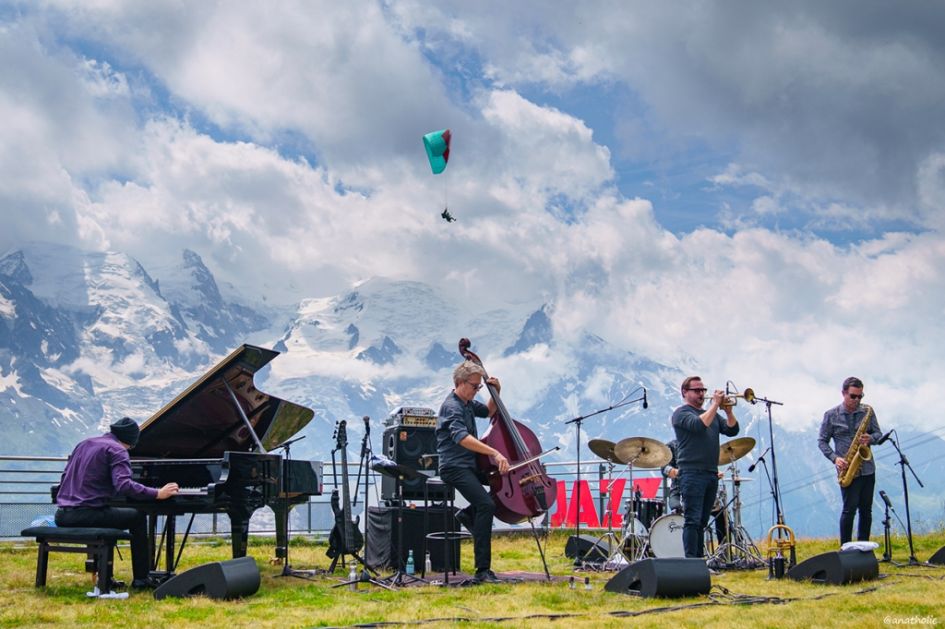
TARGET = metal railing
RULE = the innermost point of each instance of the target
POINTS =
(25, 483)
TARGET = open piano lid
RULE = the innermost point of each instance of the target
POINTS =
(203, 423)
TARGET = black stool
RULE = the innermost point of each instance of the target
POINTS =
(448, 536)
(97, 543)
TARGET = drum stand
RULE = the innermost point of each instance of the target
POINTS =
(615, 560)
(633, 546)
(737, 551)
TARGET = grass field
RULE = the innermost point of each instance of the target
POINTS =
(903, 595)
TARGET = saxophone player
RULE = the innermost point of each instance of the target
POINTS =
(842, 423)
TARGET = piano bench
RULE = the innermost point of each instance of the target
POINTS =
(97, 543)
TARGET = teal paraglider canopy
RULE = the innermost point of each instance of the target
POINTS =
(437, 145)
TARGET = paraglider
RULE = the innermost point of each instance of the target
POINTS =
(437, 146)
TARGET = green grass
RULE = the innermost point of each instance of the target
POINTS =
(289, 602)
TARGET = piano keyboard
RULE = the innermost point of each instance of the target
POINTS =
(192, 491)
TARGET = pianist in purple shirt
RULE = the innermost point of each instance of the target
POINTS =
(99, 469)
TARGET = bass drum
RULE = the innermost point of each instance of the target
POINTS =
(666, 536)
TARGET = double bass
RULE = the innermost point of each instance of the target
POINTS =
(527, 490)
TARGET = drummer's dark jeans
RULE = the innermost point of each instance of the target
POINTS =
(481, 506)
(114, 518)
(698, 489)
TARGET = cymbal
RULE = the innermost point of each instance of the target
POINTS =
(737, 479)
(604, 449)
(643, 452)
(735, 449)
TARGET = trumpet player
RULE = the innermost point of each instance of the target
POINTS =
(843, 423)
(697, 457)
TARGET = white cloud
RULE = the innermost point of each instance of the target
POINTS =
(540, 215)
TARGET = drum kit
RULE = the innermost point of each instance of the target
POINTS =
(652, 528)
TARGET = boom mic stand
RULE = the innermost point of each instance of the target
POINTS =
(287, 569)
(364, 464)
(578, 421)
(785, 535)
(903, 464)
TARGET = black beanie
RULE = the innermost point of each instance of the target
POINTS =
(126, 430)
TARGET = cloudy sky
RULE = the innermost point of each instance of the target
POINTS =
(752, 191)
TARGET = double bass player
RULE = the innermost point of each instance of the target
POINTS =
(458, 445)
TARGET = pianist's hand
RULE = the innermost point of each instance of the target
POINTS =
(167, 491)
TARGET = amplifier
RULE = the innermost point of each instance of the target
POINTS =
(417, 416)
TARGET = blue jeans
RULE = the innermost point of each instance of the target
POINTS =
(698, 489)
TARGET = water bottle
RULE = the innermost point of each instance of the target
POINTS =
(353, 579)
(587, 583)
(571, 582)
(428, 564)
(410, 566)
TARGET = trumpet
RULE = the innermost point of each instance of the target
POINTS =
(731, 399)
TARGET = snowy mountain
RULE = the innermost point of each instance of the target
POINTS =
(86, 338)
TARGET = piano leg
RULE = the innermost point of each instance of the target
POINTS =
(239, 532)
(281, 511)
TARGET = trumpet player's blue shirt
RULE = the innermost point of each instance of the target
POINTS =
(840, 425)
(456, 420)
(697, 445)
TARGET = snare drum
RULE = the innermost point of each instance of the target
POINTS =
(666, 538)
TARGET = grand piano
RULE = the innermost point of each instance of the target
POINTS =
(215, 441)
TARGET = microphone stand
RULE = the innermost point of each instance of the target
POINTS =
(903, 464)
(282, 518)
(776, 559)
(577, 421)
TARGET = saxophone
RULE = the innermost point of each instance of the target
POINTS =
(857, 453)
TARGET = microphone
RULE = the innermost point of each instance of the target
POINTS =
(751, 468)
(882, 494)
(645, 403)
(367, 425)
(885, 438)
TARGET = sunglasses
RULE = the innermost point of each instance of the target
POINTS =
(855, 396)
(702, 390)
(475, 386)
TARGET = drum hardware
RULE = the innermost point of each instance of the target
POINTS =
(614, 543)
(736, 550)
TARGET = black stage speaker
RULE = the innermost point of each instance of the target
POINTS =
(837, 568)
(415, 447)
(221, 579)
(588, 548)
(938, 557)
(665, 578)
(382, 537)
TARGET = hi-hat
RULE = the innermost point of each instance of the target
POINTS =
(735, 449)
(604, 449)
(643, 452)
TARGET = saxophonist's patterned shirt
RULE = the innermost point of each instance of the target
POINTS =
(841, 425)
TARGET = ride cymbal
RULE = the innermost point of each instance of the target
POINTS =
(735, 449)
(604, 449)
(643, 452)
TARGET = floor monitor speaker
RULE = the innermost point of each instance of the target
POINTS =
(938, 557)
(587, 547)
(233, 578)
(837, 568)
(664, 578)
